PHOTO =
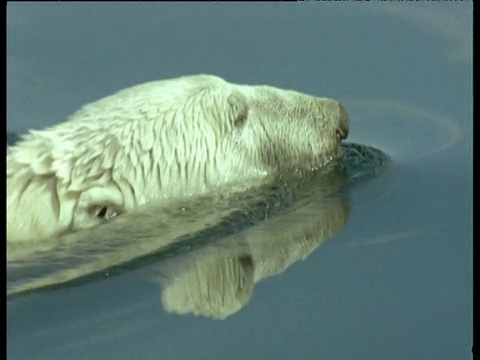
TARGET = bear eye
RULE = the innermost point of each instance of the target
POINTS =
(103, 212)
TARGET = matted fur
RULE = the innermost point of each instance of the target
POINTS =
(162, 139)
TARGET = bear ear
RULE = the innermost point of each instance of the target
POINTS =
(238, 109)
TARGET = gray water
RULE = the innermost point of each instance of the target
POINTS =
(387, 263)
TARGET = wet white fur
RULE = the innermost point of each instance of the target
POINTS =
(161, 139)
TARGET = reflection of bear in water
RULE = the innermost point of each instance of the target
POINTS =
(215, 286)
(162, 139)
(217, 281)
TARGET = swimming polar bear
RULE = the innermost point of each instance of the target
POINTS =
(163, 139)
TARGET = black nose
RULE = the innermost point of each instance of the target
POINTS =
(343, 128)
(342, 133)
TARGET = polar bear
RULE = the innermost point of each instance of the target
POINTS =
(163, 139)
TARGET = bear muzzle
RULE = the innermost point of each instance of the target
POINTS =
(343, 128)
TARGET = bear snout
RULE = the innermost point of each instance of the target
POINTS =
(343, 128)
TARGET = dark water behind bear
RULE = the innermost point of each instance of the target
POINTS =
(12, 138)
